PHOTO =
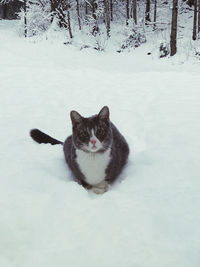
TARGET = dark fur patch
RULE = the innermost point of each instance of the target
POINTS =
(43, 138)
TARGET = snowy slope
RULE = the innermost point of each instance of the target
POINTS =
(151, 218)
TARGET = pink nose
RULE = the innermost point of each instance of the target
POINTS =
(93, 141)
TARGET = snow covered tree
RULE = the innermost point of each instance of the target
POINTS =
(78, 13)
(58, 9)
(94, 18)
(107, 17)
(36, 16)
(94, 15)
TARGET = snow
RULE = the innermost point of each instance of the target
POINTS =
(151, 217)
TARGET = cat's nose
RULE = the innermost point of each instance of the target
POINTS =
(93, 141)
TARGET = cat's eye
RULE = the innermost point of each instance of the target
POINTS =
(83, 133)
(100, 131)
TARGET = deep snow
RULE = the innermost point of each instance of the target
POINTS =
(149, 219)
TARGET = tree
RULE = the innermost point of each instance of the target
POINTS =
(198, 16)
(127, 12)
(135, 11)
(4, 4)
(155, 13)
(107, 17)
(147, 12)
(86, 9)
(111, 10)
(58, 8)
(94, 15)
(4, 11)
(78, 14)
(68, 19)
(194, 34)
(173, 36)
(25, 18)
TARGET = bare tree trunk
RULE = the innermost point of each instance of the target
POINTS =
(94, 15)
(199, 16)
(25, 18)
(155, 13)
(107, 17)
(68, 19)
(86, 8)
(194, 34)
(173, 35)
(147, 12)
(135, 11)
(78, 14)
(127, 12)
(4, 7)
(111, 10)
(86, 11)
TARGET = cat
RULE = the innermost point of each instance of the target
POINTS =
(96, 152)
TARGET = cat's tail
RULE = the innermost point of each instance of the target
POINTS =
(43, 138)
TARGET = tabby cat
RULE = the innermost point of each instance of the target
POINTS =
(96, 152)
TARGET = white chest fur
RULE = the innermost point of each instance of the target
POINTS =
(93, 165)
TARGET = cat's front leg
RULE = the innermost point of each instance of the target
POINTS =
(100, 188)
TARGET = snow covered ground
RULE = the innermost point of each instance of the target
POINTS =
(152, 217)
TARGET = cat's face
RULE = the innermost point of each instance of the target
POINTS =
(92, 134)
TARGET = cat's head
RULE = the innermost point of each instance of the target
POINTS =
(92, 134)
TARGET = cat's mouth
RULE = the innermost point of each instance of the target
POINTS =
(94, 149)
(89, 149)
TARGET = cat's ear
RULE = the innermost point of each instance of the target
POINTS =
(75, 117)
(104, 113)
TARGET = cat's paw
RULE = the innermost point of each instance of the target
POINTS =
(98, 191)
(100, 188)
